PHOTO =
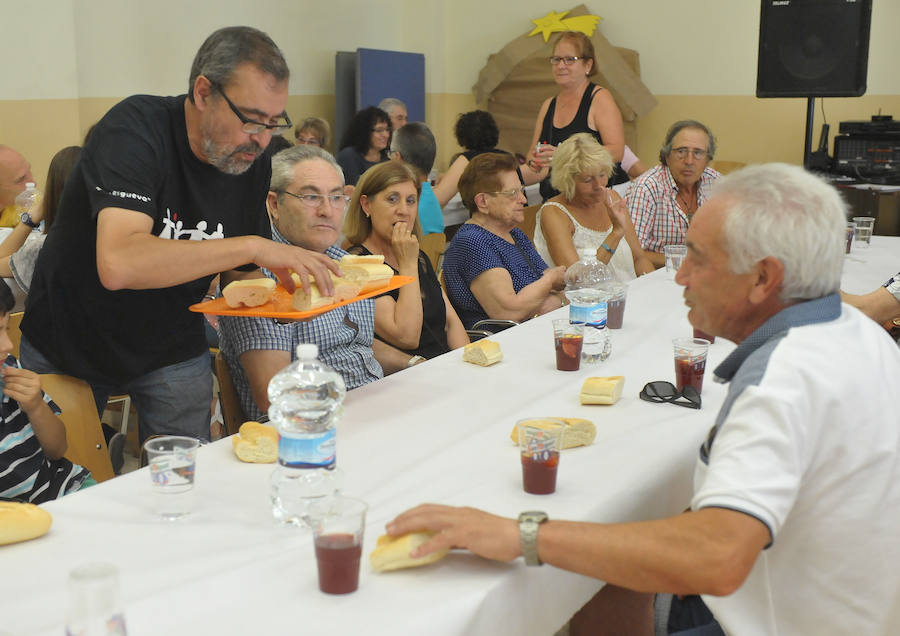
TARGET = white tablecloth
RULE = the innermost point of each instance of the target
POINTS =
(438, 432)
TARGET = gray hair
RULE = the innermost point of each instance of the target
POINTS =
(284, 162)
(388, 104)
(784, 211)
(676, 128)
(416, 143)
(228, 48)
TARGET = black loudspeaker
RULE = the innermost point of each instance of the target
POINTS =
(813, 48)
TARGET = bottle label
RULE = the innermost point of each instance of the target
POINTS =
(313, 451)
(593, 315)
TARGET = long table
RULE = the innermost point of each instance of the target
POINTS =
(438, 432)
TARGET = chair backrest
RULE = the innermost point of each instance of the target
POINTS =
(528, 224)
(433, 245)
(15, 331)
(228, 397)
(87, 446)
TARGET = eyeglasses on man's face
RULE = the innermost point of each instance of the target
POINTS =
(251, 126)
(567, 60)
(509, 194)
(697, 153)
(315, 201)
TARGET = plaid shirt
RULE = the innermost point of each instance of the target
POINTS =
(344, 336)
(657, 218)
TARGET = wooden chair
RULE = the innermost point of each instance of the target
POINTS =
(228, 397)
(724, 166)
(528, 225)
(433, 245)
(15, 331)
(87, 447)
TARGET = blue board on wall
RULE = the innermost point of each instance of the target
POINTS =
(391, 74)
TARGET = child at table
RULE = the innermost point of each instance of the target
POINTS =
(32, 437)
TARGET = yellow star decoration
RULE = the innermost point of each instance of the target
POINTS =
(556, 22)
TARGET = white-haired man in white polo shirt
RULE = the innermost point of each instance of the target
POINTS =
(793, 524)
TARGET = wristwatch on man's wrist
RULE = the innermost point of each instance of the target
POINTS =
(26, 219)
(529, 522)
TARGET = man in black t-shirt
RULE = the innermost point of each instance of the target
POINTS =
(169, 191)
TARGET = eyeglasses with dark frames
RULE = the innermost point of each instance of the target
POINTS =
(251, 126)
(567, 60)
(662, 391)
(315, 201)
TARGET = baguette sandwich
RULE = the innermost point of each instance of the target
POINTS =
(369, 271)
(392, 553)
(579, 432)
(22, 521)
(482, 352)
(605, 390)
(344, 289)
(251, 292)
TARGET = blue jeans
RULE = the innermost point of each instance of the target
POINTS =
(172, 400)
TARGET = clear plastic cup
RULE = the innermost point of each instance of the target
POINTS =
(173, 463)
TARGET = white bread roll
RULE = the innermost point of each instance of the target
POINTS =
(252, 292)
(362, 259)
(368, 276)
(22, 521)
(255, 443)
(579, 432)
(343, 290)
(392, 553)
(482, 352)
(605, 390)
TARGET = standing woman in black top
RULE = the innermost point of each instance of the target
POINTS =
(382, 218)
(580, 106)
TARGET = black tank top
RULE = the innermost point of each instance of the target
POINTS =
(555, 136)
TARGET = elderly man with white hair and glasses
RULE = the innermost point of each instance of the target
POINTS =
(306, 203)
(792, 528)
(396, 110)
(663, 200)
(168, 193)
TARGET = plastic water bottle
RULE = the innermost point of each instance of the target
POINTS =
(305, 403)
(585, 281)
(28, 199)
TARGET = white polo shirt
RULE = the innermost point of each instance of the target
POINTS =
(808, 442)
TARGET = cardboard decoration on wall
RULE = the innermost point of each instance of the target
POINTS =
(517, 79)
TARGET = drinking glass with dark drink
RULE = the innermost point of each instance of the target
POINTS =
(338, 523)
(690, 362)
(615, 305)
(568, 337)
(539, 444)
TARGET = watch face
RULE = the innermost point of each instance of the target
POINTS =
(535, 516)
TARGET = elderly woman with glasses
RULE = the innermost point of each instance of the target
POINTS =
(491, 269)
(313, 131)
(365, 143)
(587, 216)
(580, 106)
(383, 219)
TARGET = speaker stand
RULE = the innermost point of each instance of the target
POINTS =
(810, 117)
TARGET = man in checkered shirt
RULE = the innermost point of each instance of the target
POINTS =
(306, 204)
(663, 200)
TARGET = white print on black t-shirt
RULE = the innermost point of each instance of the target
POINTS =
(124, 195)
(173, 229)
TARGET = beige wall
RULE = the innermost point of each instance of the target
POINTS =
(697, 56)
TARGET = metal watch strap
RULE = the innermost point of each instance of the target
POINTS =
(529, 522)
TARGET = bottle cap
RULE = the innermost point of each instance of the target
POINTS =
(307, 351)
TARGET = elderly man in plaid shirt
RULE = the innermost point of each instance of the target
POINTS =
(306, 203)
(663, 200)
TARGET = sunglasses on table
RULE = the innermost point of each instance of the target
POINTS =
(662, 391)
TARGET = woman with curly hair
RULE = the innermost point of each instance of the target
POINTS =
(477, 132)
(365, 143)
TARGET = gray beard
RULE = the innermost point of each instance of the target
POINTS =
(225, 159)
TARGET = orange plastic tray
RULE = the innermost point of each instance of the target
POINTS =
(280, 305)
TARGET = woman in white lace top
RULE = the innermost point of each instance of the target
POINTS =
(586, 214)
